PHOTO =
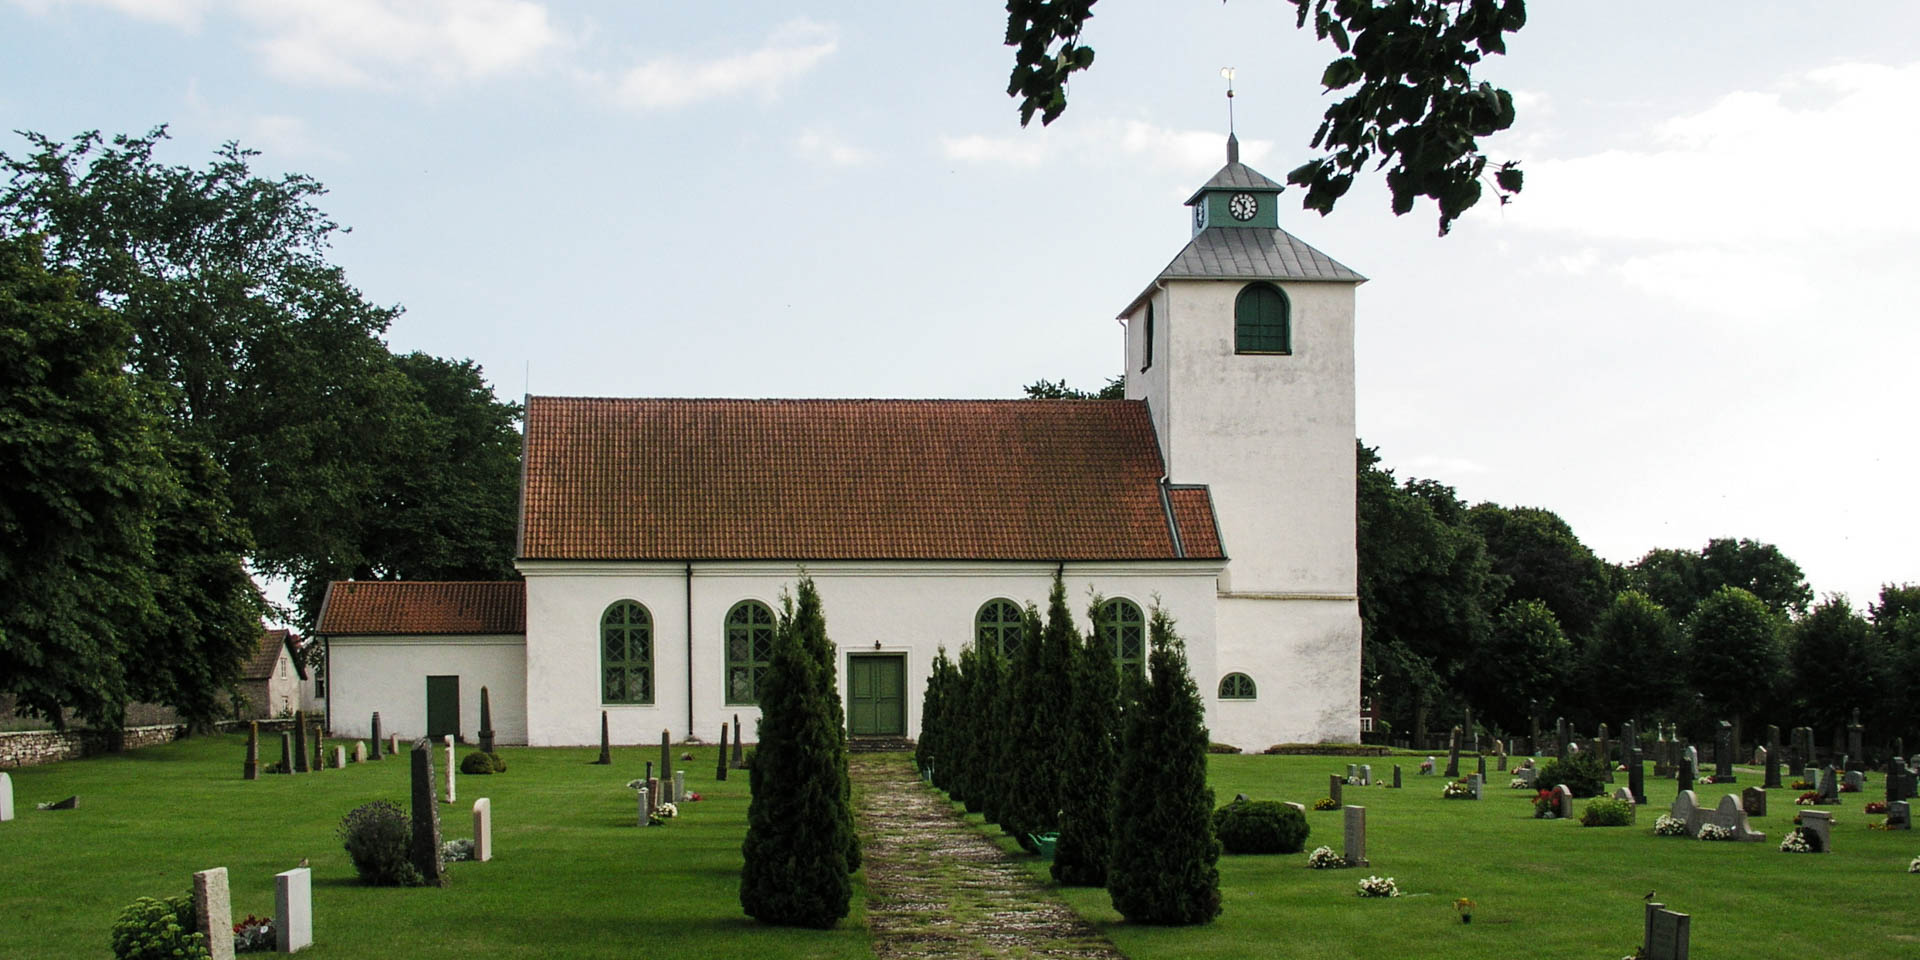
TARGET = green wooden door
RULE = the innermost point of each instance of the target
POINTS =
(443, 707)
(876, 696)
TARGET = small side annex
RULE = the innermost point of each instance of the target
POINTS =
(419, 652)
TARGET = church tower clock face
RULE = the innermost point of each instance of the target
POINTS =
(1243, 206)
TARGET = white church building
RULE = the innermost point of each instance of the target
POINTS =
(656, 535)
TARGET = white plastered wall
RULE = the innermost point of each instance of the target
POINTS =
(908, 608)
(389, 674)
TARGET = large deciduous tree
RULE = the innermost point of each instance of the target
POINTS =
(1415, 107)
(1736, 656)
(1632, 666)
(1680, 579)
(1542, 559)
(1839, 664)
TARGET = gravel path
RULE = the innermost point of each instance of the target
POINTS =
(938, 888)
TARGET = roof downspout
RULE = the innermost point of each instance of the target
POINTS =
(689, 735)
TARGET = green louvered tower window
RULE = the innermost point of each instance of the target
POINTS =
(1120, 624)
(749, 650)
(998, 626)
(626, 654)
(1262, 322)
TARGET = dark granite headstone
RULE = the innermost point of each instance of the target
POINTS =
(252, 769)
(720, 765)
(1667, 934)
(299, 742)
(378, 740)
(606, 751)
(1482, 765)
(1605, 748)
(1754, 801)
(70, 803)
(424, 853)
(486, 722)
(739, 748)
(1723, 753)
(1562, 736)
(1829, 785)
(1686, 774)
(1334, 783)
(1636, 772)
(1772, 780)
(666, 757)
(1856, 743)
(1453, 755)
(318, 763)
(1396, 776)
(286, 752)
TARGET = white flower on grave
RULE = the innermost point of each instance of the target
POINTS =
(1668, 826)
(1323, 858)
(1378, 887)
(669, 810)
(1914, 867)
(1714, 831)
(1796, 842)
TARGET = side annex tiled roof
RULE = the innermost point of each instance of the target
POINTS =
(424, 607)
(674, 479)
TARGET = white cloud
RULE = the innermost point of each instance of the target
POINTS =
(998, 151)
(827, 148)
(384, 42)
(1440, 467)
(793, 49)
(180, 13)
(1199, 152)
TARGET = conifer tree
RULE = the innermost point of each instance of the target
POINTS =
(1088, 766)
(1163, 869)
(983, 790)
(1024, 769)
(796, 871)
(927, 752)
(961, 729)
(809, 624)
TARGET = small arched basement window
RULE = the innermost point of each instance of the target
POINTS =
(1236, 686)
(1262, 320)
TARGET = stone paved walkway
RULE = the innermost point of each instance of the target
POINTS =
(938, 888)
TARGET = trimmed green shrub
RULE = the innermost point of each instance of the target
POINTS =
(1607, 812)
(477, 764)
(1260, 826)
(1092, 757)
(1163, 868)
(150, 929)
(799, 827)
(1584, 773)
(1222, 748)
(377, 836)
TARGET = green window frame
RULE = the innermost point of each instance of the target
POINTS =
(1237, 686)
(626, 653)
(749, 628)
(1262, 320)
(1121, 625)
(1000, 625)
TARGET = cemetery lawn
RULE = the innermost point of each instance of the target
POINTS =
(572, 876)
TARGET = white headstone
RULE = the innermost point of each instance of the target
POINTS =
(393, 744)
(339, 758)
(1623, 794)
(679, 786)
(1474, 785)
(6, 797)
(213, 911)
(1355, 847)
(1820, 824)
(1732, 814)
(292, 910)
(1297, 806)
(360, 751)
(1366, 774)
(483, 829)
(448, 740)
(643, 806)
(1686, 809)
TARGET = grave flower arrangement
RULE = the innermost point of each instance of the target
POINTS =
(1796, 842)
(1846, 787)
(1323, 858)
(1518, 783)
(1456, 790)
(1807, 799)
(253, 935)
(1914, 867)
(1325, 803)
(1465, 906)
(669, 810)
(1802, 785)
(1876, 806)
(1543, 805)
(1669, 826)
(1714, 831)
(454, 851)
(1378, 887)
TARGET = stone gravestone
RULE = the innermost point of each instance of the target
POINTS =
(1899, 750)
(70, 803)
(1770, 764)
(606, 750)
(359, 751)
(1855, 779)
(1500, 753)
(1482, 767)
(1533, 726)
(1759, 754)
(1624, 795)
(376, 734)
(1754, 801)
(483, 830)
(655, 795)
(1636, 773)
(1856, 747)
(1353, 772)
(644, 810)
(339, 757)
(486, 722)
(1526, 775)
(1334, 783)
(213, 911)
(1900, 781)
(1667, 934)
(720, 765)
(424, 852)
(1396, 776)
(292, 911)
(679, 786)
(666, 757)
(1686, 809)
(299, 742)
(1562, 737)
(1355, 847)
(1474, 786)
(1732, 814)
(1605, 749)
(1660, 768)
(1686, 774)
(1562, 802)
(6, 797)
(286, 752)
(1366, 774)
(739, 747)
(1723, 753)
(1818, 823)
(393, 744)
(1829, 786)
(447, 739)
(1899, 815)
(1453, 755)
(1473, 734)
(318, 763)
(251, 771)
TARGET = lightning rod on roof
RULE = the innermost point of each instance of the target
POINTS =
(1233, 142)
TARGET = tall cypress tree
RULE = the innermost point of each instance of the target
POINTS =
(796, 871)
(1089, 763)
(1023, 771)
(1164, 853)
(927, 751)
(961, 728)
(983, 728)
(809, 624)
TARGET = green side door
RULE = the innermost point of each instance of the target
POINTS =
(443, 707)
(876, 696)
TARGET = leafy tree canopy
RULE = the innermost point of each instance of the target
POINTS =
(1115, 389)
(1414, 107)
(1539, 558)
(1680, 579)
(1736, 655)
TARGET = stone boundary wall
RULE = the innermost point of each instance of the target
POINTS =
(28, 748)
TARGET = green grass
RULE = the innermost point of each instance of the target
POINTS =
(571, 876)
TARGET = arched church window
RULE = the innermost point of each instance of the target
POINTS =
(626, 654)
(1236, 686)
(1121, 625)
(999, 626)
(749, 650)
(1262, 320)
(1147, 340)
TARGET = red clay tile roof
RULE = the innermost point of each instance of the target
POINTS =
(1193, 515)
(272, 644)
(659, 479)
(424, 607)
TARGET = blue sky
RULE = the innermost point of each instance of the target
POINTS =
(1693, 323)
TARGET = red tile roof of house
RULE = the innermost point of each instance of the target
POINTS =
(660, 479)
(272, 644)
(424, 607)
